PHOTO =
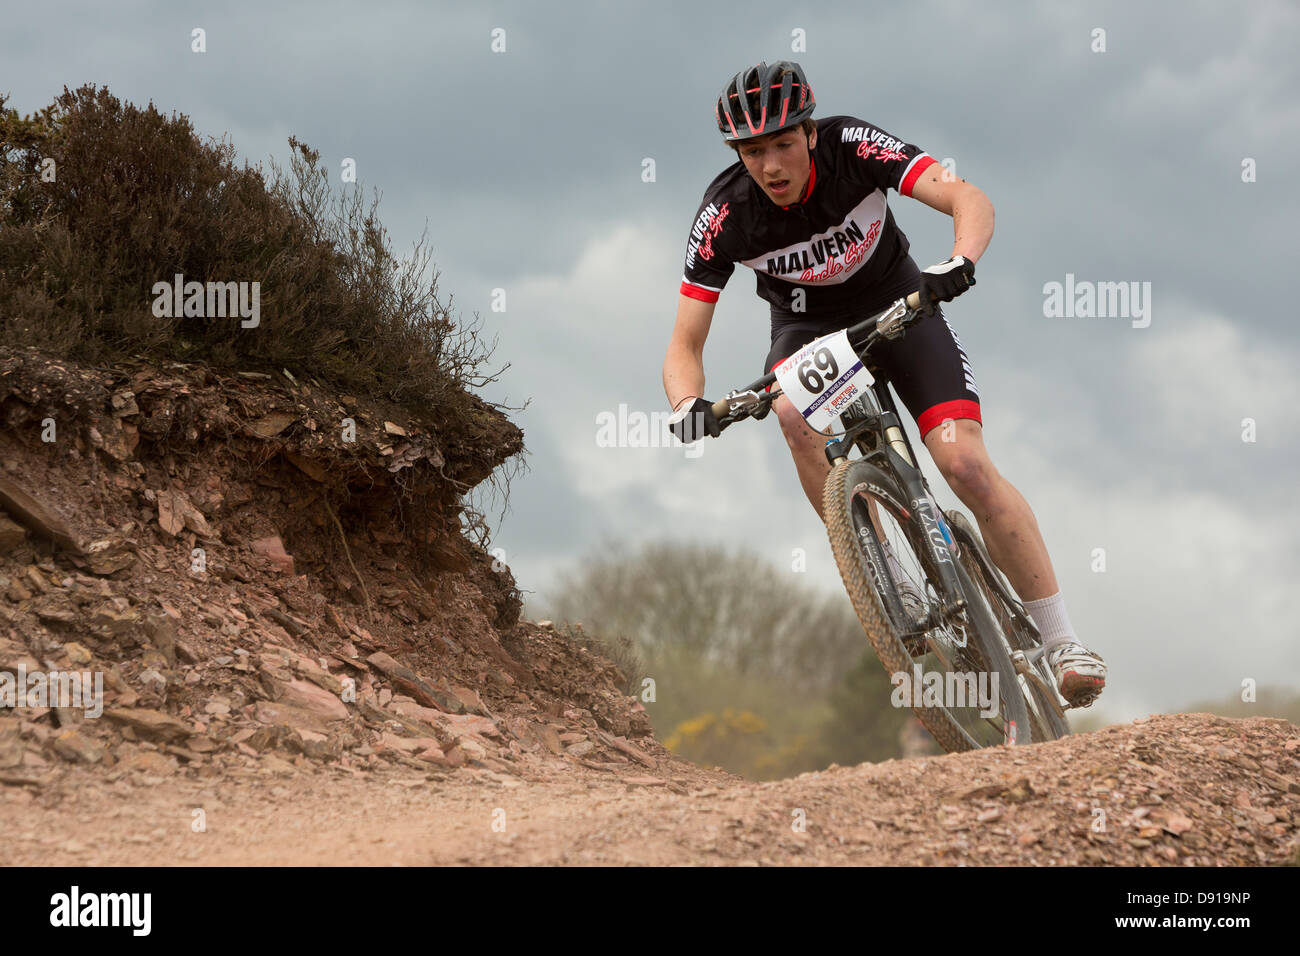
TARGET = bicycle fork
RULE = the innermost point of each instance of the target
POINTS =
(895, 456)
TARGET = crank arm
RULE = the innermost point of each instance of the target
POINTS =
(1027, 668)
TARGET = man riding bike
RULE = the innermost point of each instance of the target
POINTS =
(805, 209)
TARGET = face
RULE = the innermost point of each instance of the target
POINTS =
(779, 163)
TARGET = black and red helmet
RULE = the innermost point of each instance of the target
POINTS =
(764, 99)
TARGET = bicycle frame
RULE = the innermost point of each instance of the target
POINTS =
(873, 426)
(876, 430)
(877, 420)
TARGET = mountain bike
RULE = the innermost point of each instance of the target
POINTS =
(942, 618)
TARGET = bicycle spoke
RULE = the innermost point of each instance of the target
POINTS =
(942, 651)
(1045, 722)
(952, 659)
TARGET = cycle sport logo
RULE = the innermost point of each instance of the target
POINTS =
(885, 155)
(706, 229)
(874, 143)
(836, 250)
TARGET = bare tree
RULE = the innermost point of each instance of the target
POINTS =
(732, 609)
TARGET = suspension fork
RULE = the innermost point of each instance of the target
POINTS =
(938, 537)
(895, 457)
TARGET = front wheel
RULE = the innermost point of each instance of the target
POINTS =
(1046, 716)
(958, 676)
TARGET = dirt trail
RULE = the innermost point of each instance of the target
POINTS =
(1175, 790)
(296, 638)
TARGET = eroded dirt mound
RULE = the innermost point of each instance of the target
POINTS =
(297, 639)
(1180, 790)
(267, 575)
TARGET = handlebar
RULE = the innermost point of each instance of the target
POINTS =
(890, 323)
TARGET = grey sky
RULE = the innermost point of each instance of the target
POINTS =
(1116, 166)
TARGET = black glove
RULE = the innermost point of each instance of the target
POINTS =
(693, 422)
(945, 281)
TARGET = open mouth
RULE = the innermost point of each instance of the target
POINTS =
(779, 186)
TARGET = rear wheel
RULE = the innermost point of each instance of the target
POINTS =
(950, 664)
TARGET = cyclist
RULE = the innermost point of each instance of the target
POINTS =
(804, 208)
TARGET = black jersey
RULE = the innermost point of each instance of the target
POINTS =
(838, 243)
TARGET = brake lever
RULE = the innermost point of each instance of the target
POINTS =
(892, 323)
(741, 404)
(745, 404)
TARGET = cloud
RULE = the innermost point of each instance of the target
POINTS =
(1123, 166)
(1195, 592)
(1186, 567)
(1208, 373)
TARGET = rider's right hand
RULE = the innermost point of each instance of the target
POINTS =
(693, 422)
(945, 281)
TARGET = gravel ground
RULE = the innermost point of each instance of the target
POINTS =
(1187, 789)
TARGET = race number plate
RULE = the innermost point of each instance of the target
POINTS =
(823, 378)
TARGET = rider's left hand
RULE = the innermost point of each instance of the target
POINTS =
(693, 422)
(945, 281)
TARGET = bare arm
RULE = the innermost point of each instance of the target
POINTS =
(971, 211)
(684, 363)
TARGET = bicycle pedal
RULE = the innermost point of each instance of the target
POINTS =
(1083, 699)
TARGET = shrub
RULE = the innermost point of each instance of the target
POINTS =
(100, 200)
(619, 651)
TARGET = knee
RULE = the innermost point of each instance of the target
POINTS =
(970, 475)
(792, 423)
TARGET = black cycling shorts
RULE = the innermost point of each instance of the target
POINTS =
(927, 366)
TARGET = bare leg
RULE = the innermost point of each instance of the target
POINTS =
(1006, 522)
(809, 451)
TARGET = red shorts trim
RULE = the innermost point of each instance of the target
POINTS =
(936, 414)
(695, 292)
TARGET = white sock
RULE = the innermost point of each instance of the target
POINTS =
(1048, 615)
